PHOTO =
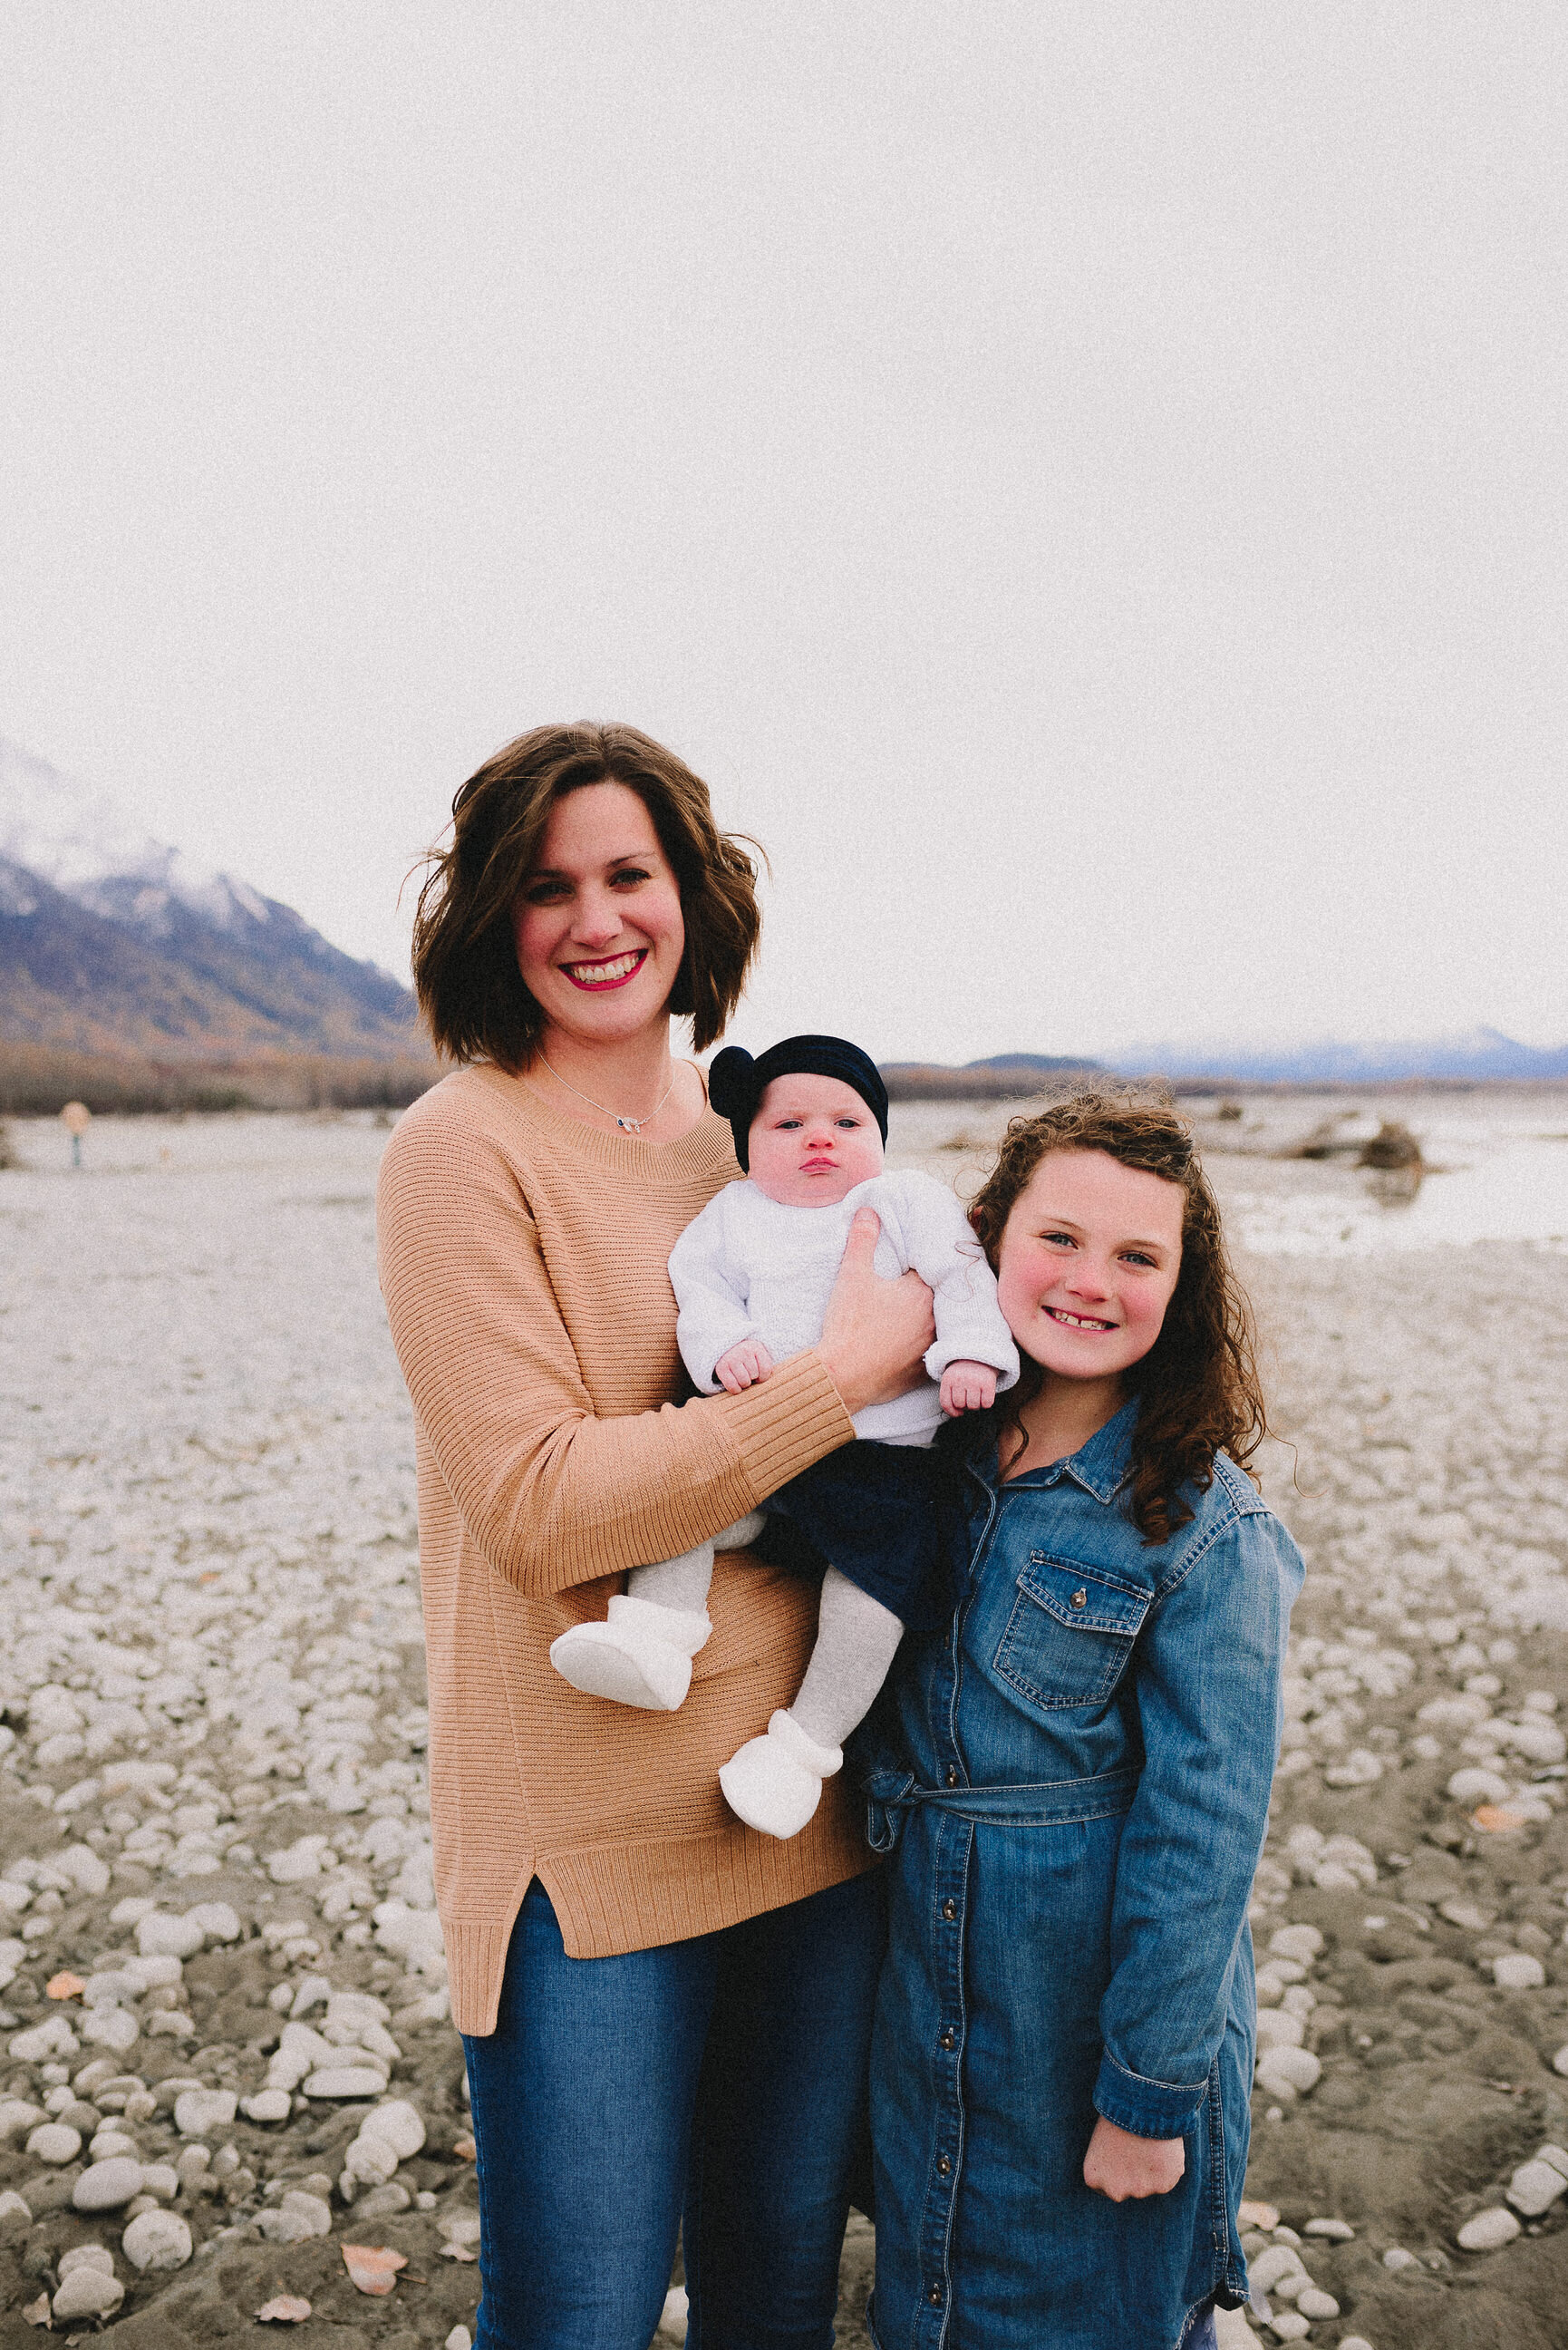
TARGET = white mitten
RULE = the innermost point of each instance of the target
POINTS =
(641, 1656)
(775, 1783)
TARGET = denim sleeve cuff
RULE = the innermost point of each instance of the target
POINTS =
(1146, 2108)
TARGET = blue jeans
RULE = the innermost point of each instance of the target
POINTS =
(717, 2086)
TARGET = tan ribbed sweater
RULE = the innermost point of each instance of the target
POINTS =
(523, 1259)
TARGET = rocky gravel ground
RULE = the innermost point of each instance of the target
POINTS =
(228, 2080)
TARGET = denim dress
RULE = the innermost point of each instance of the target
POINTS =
(1072, 1779)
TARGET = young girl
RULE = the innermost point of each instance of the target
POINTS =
(1076, 1778)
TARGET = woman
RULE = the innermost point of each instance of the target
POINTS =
(665, 2014)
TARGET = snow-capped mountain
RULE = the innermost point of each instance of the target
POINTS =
(85, 844)
(1477, 1053)
(111, 940)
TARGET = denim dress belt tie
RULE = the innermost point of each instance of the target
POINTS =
(1053, 1802)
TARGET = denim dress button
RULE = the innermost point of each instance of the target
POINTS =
(935, 2296)
(947, 2039)
(952, 1776)
(1080, 1598)
(944, 2165)
(949, 1909)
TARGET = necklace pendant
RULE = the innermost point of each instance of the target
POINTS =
(630, 1124)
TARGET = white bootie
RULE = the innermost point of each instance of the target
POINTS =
(775, 1783)
(641, 1656)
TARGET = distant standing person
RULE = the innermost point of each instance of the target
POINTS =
(665, 2014)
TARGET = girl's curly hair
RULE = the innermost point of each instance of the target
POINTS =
(1198, 1385)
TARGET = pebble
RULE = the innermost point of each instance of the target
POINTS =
(54, 2142)
(197, 2111)
(1535, 2186)
(345, 2081)
(1339, 2231)
(1289, 2325)
(1315, 2302)
(87, 2291)
(267, 2105)
(1289, 2072)
(1303, 1943)
(105, 2186)
(157, 2240)
(1476, 1786)
(1271, 2268)
(159, 1934)
(1396, 2258)
(1488, 2232)
(1517, 1971)
(296, 2218)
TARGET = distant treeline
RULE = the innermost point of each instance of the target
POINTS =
(37, 1080)
(997, 1080)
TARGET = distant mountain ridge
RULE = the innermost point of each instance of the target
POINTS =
(1480, 1056)
(112, 941)
(1475, 1056)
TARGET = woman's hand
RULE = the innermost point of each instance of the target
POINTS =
(1124, 2167)
(875, 1332)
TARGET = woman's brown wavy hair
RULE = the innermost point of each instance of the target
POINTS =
(1198, 1385)
(464, 957)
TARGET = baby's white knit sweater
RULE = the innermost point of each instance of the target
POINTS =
(747, 1268)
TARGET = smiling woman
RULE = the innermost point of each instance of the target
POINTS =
(666, 2014)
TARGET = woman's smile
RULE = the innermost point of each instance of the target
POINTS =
(613, 974)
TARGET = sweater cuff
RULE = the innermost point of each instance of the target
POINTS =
(1146, 2108)
(793, 1417)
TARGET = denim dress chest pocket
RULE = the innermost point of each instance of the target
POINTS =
(1070, 1633)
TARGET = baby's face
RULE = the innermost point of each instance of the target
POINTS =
(812, 1141)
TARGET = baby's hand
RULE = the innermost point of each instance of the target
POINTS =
(742, 1365)
(968, 1386)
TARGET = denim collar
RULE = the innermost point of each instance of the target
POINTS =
(1100, 1466)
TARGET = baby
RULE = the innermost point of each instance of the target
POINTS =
(752, 1277)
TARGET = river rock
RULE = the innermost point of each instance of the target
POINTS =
(157, 2240)
(400, 2124)
(1338, 2231)
(87, 2292)
(267, 2105)
(197, 2111)
(1303, 1943)
(1488, 2232)
(54, 2142)
(105, 2186)
(111, 2027)
(1535, 2186)
(1315, 2302)
(158, 1934)
(1517, 1971)
(49, 2041)
(345, 2081)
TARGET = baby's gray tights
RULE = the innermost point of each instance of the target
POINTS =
(856, 1635)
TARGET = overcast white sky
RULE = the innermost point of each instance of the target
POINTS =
(1085, 483)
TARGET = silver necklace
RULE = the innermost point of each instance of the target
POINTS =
(626, 1125)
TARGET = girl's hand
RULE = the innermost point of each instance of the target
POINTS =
(741, 1367)
(1124, 2167)
(875, 1332)
(968, 1386)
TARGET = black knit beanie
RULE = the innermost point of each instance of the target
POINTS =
(736, 1083)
